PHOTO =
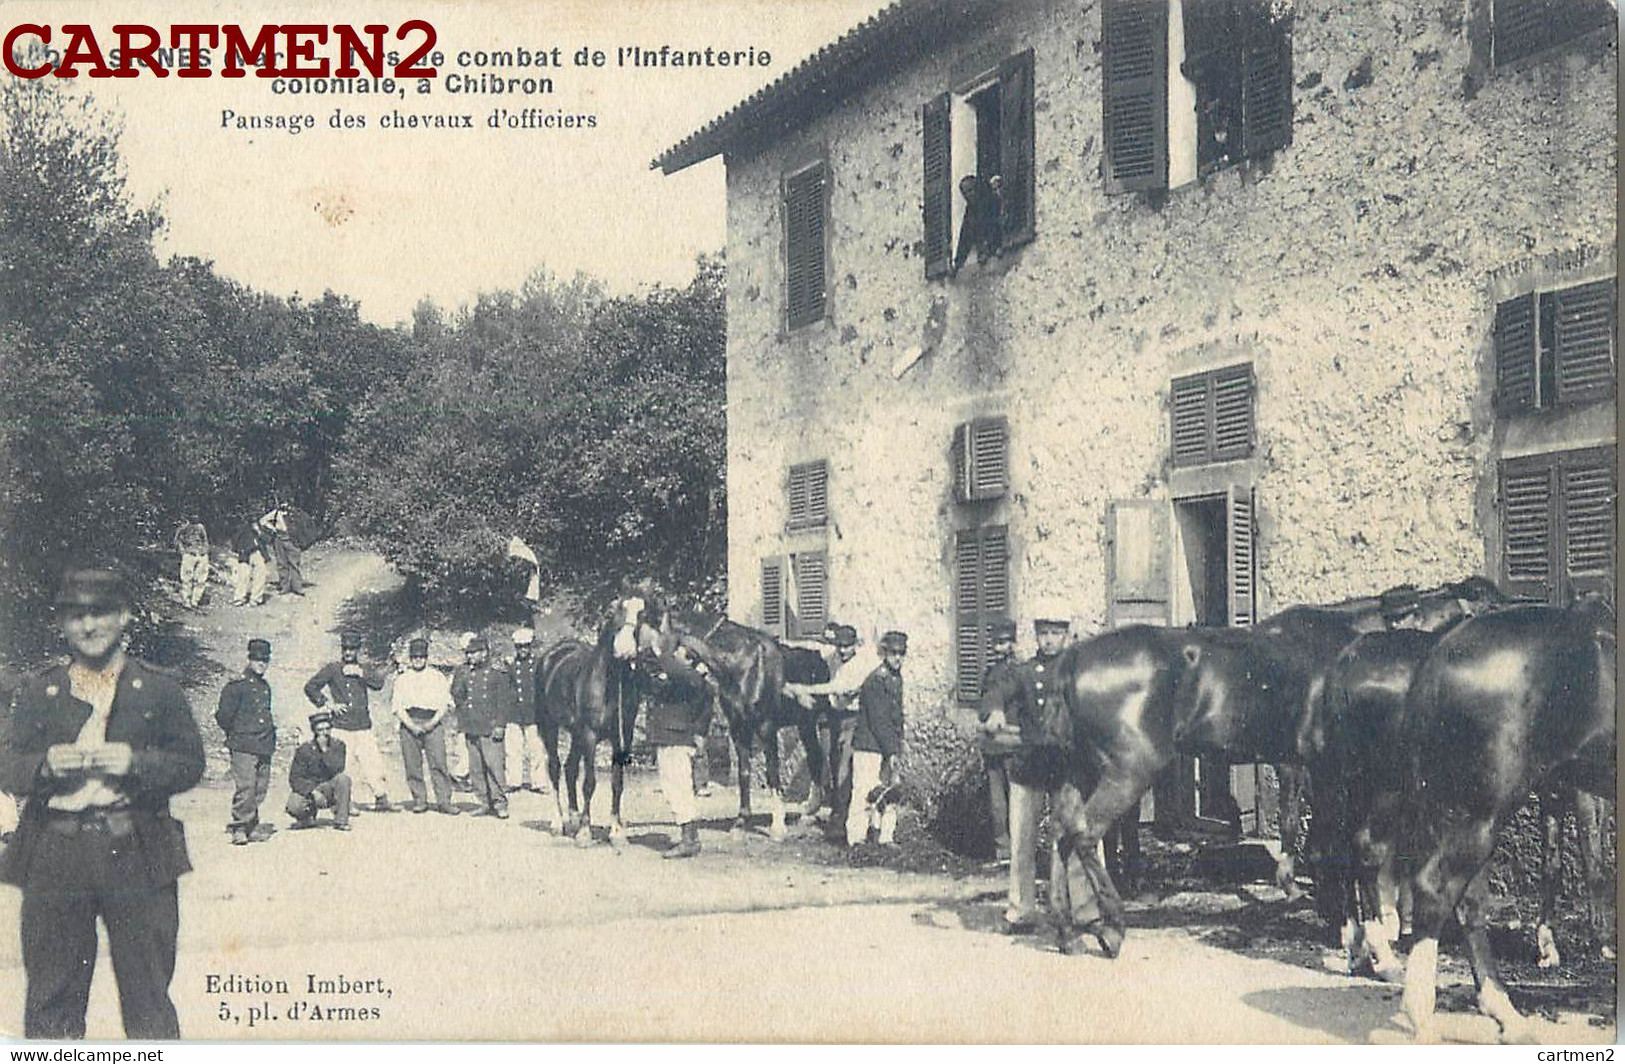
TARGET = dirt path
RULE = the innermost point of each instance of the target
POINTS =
(461, 928)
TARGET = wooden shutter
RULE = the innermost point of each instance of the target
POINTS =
(811, 570)
(981, 597)
(1017, 180)
(1266, 79)
(1137, 562)
(1232, 412)
(1528, 526)
(981, 455)
(1134, 38)
(1516, 353)
(1240, 558)
(773, 595)
(1585, 321)
(1588, 480)
(1522, 28)
(804, 246)
(809, 495)
(936, 141)
(1189, 400)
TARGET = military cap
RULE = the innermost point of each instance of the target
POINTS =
(830, 633)
(1051, 614)
(894, 642)
(417, 648)
(1001, 630)
(320, 717)
(477, 643)
(93, 587)
(350, 640)
(846, 636)
(1399, 601)
(465, 639)
(523, 637)
(259, 650)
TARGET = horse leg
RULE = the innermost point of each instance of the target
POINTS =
(813, 746)
(1492, 996)
(742, 740)
(617, 785)
(589, 784)
(1590, 813)
(1442, 878)
(775, 785)
(1292, 781)
(550, 740)
(572, 772)
(1551, 876)
(1081, 893)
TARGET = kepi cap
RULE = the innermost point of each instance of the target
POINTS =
(350, 640)
(476, 643)
(845, 636)
(894, 642)
(322, 717)
(1001, 630)
(523, 637)
(259, 650)
(417, 648)
(91, 587)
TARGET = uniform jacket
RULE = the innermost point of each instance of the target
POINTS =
(1028, 696)
(995, 675)
(151, 714)
(680, 702)
(349, 694)
(246, 543)
(524, 675)
(245, 715)
(880, 714)
(484, 698)
(311, 767)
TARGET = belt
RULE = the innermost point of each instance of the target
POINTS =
(115, 823)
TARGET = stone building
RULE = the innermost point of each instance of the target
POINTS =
(1270, 303)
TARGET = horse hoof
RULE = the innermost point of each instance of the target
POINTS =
(617, 836)
(584, 837)
(778, 832)
(737, 828)
(1390, 973)
(1110, 939)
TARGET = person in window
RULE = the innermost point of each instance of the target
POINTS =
(980, 231)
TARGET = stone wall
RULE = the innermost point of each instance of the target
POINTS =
(1357, 269)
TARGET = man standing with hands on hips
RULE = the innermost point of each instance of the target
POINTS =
(98, 746)
(349, 682)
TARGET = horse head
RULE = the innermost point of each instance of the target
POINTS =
(625, 619)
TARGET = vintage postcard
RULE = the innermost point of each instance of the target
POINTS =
(817, 521)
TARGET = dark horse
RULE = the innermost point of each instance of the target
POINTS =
(590, 691)
(1139, 695)
(749, 669)
(1512, 701)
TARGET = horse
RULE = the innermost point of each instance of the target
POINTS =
(748, 665)
(1138, 696)
(591, 691)
(1513, 701)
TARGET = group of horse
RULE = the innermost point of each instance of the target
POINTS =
(1418, 739)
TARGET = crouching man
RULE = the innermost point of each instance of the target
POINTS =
(317, 777)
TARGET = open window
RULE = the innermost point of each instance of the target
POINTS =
(795, 593)
(979, 175)
(1191, 86)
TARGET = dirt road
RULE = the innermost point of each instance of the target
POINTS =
(430, 927)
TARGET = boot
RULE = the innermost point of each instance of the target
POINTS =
(690, 844)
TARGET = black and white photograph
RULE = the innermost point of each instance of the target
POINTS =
(809, 521)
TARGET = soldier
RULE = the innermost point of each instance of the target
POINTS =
(996, 746)
(484, 695)
(349, 682)
(522, 740)
(98, 746)
(317, 779)
(682, 697)
(252, 573)
(192, 540)
(421, 699)
(245, 716)
(877, 742)
(1024, 695)
(855, 662)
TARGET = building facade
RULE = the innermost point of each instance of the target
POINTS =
(1269, 304)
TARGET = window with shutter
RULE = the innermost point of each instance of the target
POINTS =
(1212, 416)
(1556, 347)
(1557, 523)
(1137, 562)
(1523, 28)
(938, 199)
(805, 204)
(1017, 175)
(981, 459)
(981, 597)
(811, 571)
(809, 495)
(773, 596)
(1237, 60)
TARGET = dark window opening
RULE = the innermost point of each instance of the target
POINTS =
(1523, 28)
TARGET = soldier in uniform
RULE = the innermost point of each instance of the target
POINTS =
(877, 742)
(522, 739)
(484, 697)
(192, 540)
(996, 746)
(244, 714)
(681, 697)
(1025, 695)
(316, 779)
(349, 683)
(98, 746)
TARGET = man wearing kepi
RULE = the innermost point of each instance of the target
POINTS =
(245, 716)
(98, 746)
(877, 742)
(349, 683)
(421, 698)
(1026, 696)
(317, 779)
(680, 707)
(522, 740)
(996, 746)
(484, 697)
